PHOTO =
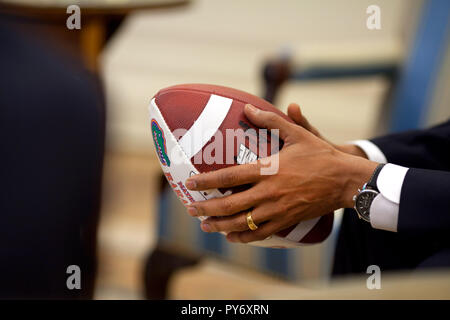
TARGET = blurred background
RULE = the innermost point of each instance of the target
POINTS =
(350, 81)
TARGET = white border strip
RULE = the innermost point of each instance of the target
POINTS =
(302, 229)
(206, 126)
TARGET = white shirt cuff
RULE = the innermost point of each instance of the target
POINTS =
(385, 207)
(371, 150)
(384, 214)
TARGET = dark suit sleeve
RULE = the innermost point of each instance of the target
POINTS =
(426, 149)
(425, 196)
(425, 201)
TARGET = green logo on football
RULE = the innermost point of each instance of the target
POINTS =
(160, 143)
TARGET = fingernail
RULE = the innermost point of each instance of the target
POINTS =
(251, 108)
(206, 227)
(231, 238)
(192, 211)
(190, 184)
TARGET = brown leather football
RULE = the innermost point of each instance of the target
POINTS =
(198, 128)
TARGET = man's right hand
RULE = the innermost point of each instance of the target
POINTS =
(295, 113)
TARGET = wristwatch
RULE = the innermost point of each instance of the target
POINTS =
(363, 200)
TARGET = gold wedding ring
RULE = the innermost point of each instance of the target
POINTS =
(250, 222)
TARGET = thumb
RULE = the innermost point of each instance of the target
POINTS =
(268, 120)
(295, 113)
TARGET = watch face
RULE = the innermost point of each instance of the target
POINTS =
(363, 203)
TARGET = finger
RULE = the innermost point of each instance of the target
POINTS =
(232, 223)
(295, 113)
(225, 178)
(268, 120)
(236, 222)
(263, 231)
(227, 205)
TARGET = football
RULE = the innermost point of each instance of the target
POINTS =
(198, 128)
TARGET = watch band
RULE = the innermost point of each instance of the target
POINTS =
(372, 183)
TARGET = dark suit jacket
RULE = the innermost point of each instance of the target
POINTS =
(424, 211)
(51, 147)
(425, 195)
